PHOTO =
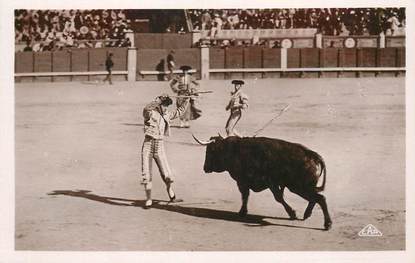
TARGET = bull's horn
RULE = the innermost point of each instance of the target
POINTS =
(220, 135)
(201, 142)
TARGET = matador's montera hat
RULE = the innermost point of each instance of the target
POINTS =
(238, 82)
(185, 68)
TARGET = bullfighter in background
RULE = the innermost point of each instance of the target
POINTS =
(109, 64)
(237, 103)
(185, 85)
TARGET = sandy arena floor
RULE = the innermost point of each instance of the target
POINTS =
(78, 161)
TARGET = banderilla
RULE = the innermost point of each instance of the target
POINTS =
(203, 91)
(192, 95)
(270, 121)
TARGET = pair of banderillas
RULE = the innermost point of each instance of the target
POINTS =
(280, 112)
(193, 95)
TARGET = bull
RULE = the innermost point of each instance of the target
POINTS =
(260, 163)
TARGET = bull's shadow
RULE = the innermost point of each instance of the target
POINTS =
(133, 124)
(184, 208)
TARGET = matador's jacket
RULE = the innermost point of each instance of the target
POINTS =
(238, 101)
(157, 124)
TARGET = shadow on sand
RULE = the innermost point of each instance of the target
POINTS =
(182, 208)
(133, 124)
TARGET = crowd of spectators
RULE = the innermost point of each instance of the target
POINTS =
(328, 21)
(43, 30)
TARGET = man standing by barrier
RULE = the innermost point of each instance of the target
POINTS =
(237, 103)
(157, 125)
(109, 64)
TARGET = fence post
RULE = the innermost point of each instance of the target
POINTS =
(319, 40)
(132, 63)
(204, 61)
(283, 58)
(382, 40)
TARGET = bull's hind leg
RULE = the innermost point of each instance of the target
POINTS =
(279, 197)
(309, 210)
(321, 200)
(314, 198)
(245, 194)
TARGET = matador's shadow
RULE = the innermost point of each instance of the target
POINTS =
(183, 208)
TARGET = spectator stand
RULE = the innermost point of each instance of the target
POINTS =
(267, 37)
(51, 30)
(211, 25)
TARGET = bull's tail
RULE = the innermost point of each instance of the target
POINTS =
(318, 159)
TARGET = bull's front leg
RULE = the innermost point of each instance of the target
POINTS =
(244, 189)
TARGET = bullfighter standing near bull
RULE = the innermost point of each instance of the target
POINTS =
(237, 103)
(157, 125)
(185, 85)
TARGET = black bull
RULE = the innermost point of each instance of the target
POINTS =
(260, 163)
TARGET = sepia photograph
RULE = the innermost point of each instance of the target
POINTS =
(238, 129)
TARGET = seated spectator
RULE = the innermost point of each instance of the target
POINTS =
(343, 30)
(206, 20)
(394, 23)
(388, 32)
(70, 40)
(28, 47)
(37, 47)
(99, 44)
(217, 25)
(225, 43)
(126, 43)
(233, 20)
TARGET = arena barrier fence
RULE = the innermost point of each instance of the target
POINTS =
(56, 74)
(134, 64)
(306, 72)
(246, 70)
(307, 62)
(156, 72)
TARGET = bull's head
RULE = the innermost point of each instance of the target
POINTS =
(216, 154)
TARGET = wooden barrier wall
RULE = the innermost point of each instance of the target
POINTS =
(162, 41)
(156, 59)
(271, 58)
(75, 60)
(84, 60)
(254, 57)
